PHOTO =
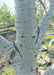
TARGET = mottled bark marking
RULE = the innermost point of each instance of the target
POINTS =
(21, 0)
(33, 36)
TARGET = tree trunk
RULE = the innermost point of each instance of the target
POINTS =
(25, 37)
(23, 52)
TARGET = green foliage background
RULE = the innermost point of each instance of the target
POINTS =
(5, 14)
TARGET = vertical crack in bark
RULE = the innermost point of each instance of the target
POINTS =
(37, 35)
(17, 49)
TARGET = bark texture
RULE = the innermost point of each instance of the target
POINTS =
(9, 49)
(29, 39)
(25, 37)
(44, 23)
(23, 52)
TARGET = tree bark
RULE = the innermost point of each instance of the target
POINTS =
(25, 37)
(23, 52)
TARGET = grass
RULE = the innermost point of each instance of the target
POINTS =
(13, 28)
(49, 32)
(52, 23)
(48, 36)
(8, 71)
(7, 30)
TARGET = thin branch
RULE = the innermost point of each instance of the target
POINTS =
(42, 4)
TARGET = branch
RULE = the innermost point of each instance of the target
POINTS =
(44, 23)
(49, 71)
(9, 49)
(5, 45)
(42, 4)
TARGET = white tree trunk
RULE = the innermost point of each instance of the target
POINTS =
(23, 52)
(25, 37)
